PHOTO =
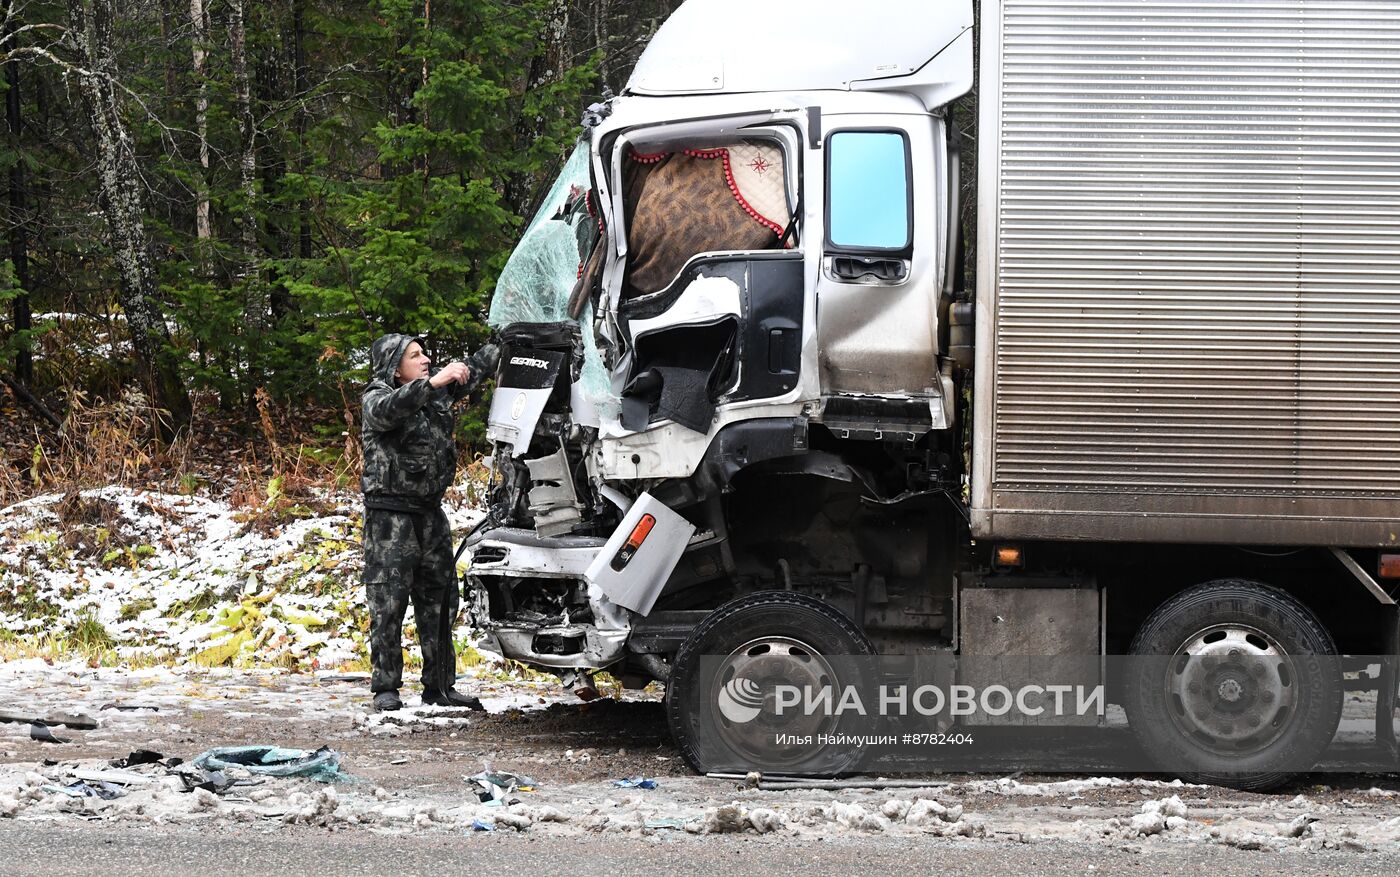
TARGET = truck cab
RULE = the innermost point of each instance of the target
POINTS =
(747, 253)
(749, 417)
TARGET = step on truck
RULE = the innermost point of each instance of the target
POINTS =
(750, 410)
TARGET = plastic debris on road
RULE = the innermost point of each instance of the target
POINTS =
(215, 781)
(322, 765)
(492, 786)
(118, 777)
(44, 734)
(72, 721)
(635, 783)
(88, 789)
(142, 756)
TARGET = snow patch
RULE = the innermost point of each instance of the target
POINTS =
(189, 576)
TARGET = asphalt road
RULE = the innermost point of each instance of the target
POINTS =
(99, 851)
(411, 810)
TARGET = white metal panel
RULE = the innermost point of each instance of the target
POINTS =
(1192, 252)
(730, 46)
(637, 585)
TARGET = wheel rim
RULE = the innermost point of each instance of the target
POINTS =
(768, 662)
(1232, 689)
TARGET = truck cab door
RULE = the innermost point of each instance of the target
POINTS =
(879, 283)
(711, 301)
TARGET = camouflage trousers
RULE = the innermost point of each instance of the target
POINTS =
(408, 558)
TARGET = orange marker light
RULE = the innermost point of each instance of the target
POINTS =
(1008, 555)
(1390, 566)
(634, 541)
(640, 532)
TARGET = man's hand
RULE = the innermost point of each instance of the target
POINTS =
(453, 372)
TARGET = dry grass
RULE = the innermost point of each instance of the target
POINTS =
(281, 480)
(52, 648)
(101, 444)
(280, 466)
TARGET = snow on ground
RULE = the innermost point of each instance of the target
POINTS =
(179, 712)
(188, 578)
(233, 600)
(407, 772)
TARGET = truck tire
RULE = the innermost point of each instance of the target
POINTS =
(737, 653)
(1233, 685)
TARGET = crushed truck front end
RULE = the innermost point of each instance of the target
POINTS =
(726, 271)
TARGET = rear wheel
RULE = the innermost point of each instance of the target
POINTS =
(722, 700)
(1234, 683)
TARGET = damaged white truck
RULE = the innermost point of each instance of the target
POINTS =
(748, 408)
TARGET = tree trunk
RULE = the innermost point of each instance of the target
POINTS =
(254, 305)
(199, 23)
(602, 38)
(19, 213)
(426, 168)
(247, 155)
(546, 66)
(121, 196)
(299, 86)
(269, 89)
(169, 10)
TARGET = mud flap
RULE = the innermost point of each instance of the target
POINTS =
(635, 563)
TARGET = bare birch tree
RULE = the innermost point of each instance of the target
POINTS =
(199, 30)
(121, 196)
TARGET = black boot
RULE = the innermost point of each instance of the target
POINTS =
(451, 697)
(387, 701)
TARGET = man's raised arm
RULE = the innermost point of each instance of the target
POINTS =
(385, 409)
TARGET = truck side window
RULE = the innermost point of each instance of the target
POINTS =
(868, 192)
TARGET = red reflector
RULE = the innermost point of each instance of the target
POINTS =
(1390, 566)
(640, 532)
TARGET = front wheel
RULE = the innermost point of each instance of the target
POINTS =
(1234, 683)
(730, 697)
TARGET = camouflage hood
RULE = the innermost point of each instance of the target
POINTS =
(385, 355)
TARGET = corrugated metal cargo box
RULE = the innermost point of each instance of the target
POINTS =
(1189, 271)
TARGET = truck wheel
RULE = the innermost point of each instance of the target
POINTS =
(721, 701)
(1232, 685)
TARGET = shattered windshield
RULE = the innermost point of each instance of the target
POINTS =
(540, 275)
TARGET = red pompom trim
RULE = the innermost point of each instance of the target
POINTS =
(718, 152)
(734, 188)
(593, 211)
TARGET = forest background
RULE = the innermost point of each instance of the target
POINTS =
(211, 207)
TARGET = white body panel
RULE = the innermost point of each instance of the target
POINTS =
(729, 46)
(637, 585)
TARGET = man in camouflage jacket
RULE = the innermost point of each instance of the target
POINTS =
(410, 460)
